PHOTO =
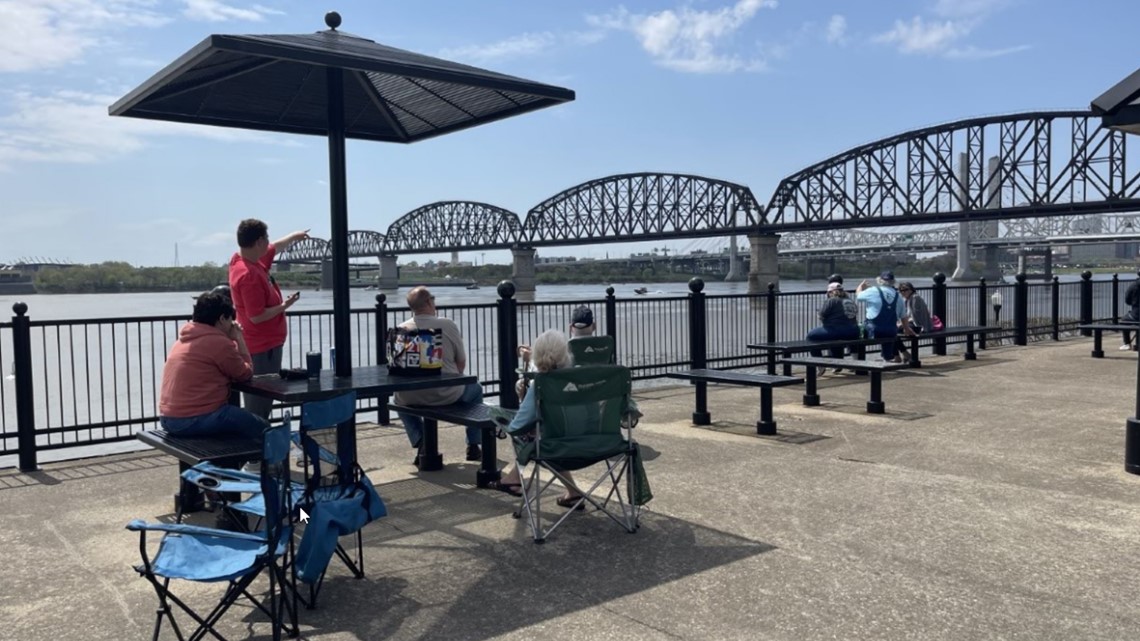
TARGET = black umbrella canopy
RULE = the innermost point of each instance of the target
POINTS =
(279, 83)
(337, 85)
(1119, 107)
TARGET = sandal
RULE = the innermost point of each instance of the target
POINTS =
(514, 489)
(571, 501)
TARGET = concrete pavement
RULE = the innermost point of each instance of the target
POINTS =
(990, 502)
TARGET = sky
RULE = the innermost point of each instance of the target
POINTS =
(747, 91)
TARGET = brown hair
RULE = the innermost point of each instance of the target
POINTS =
(250, 231)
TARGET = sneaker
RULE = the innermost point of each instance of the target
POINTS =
(820, 371)
(474, 453)
(1125, 347)
(416, 461)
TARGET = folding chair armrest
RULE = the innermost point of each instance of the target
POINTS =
(210, 477)
(139, 525)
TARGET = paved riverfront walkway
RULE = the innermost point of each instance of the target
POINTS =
(990, 502)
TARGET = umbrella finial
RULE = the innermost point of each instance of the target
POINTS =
(332, 19)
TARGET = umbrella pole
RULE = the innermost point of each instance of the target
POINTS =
(338, 204)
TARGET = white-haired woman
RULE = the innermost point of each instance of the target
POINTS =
(550, 351)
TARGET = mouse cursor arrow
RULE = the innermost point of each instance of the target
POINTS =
(304, 517)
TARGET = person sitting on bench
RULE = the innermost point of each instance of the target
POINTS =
(918, 315)
(837, 316)
(209, 355)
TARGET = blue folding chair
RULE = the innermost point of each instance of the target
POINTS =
(336, 494)
(206, 555)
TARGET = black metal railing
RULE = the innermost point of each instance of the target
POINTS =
(93, 381)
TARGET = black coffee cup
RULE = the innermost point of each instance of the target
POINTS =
(313, 364)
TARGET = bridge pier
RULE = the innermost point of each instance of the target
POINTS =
(736, 273)
(326, 273)
(765, 267)
(523, 273)
(389, 272)
(1047, 252)
(812, 274)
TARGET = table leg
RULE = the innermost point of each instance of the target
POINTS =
(970, 354)
(766, 424)
(914, 362)
(701, 414)
(430, 458)
(876, 405)
(811, 398)
(489, 466)
(1097, 352)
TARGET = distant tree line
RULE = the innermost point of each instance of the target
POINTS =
(113, 276)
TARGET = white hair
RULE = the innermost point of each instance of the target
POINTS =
(551, 351)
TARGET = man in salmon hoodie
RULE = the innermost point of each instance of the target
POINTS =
(210, 355)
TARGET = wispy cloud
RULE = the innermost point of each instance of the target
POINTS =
(943, 34)
(217, 11)
(73, 127)
(689, 40)
(836, 32)
(919, 36)
(527, 44)
(41, 34)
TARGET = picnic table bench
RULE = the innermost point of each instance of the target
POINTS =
(875, 368)
(477, 415)
(1099, 328)
(785, 349)
(223, 452)
(701, 377)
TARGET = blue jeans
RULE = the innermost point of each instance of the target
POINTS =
(227, 420)
(880, 327)
(833, 333)
(414, 425)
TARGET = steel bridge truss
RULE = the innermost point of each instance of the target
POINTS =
(643, 206)
(1047, 164)
(314, 250)
(453, 226)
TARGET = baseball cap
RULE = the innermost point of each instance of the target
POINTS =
(833, 286)
(835, 278)
(582, 317)
(887, 275)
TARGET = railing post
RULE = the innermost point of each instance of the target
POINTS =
(508, 334)
(1021, 311)
(611, 315)
(381, 322)
(771, 320)
(1115, 299)
(983, 302)
(938, 308)
(1055, 308)
(25, 396)
(1086, 310)
(698, 347)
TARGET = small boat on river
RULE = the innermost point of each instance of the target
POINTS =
(473, 286)
(641, 290)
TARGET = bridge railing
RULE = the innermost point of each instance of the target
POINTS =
(95, 382)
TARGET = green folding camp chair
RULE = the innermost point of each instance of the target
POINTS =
(593, 350)
(581, 415)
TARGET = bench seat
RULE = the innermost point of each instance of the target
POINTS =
(701, 377)
(223, 452)
(1098, 330)
(477, 415)
(875, 368)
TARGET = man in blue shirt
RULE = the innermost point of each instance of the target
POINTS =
(885, 308)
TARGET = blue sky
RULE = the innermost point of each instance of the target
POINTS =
(747, 91)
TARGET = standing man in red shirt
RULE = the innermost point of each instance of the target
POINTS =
(257, 298)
